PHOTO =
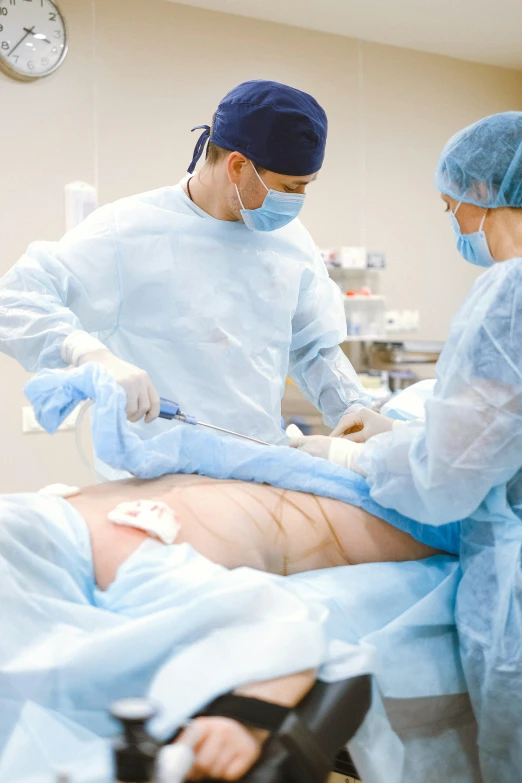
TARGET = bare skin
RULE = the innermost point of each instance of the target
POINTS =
(503, 226)
(225, 749)
(213, 189)
(235, 524)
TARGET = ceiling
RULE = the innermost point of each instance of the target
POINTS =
(476, 30)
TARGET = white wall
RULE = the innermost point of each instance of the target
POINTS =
(120, 111)
(47, 141)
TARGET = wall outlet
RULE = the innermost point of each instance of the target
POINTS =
(30, 426)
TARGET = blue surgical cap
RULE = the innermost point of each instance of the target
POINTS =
(482, 164)
(277, 127)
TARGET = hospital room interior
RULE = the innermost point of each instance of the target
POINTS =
(261, 383)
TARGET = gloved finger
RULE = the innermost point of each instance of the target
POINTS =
(154, 409)
(132, 403)
(307, 448)
(360, 436)
(297, 441)
(293, 431)
(349, 424)
(143, 405)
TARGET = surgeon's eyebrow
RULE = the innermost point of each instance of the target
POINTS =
(297, 182)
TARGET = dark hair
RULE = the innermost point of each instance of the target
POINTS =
(215, 154)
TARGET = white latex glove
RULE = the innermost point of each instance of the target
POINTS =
(337, 450)
(346, 454)
(293, 431)
(142, 397)
(359, 427)
(315, 445)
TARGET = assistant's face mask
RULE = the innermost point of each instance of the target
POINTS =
(277, 210)
(473, 247)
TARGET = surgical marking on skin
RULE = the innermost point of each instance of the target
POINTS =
(273, 513)
(276, 515)
(312, 551)
(307, 553)
(279, 509)
(245, 510)
(330, 527)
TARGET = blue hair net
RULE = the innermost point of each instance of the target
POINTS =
(482, 164)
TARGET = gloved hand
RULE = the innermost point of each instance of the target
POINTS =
(337, 450)
(315, 445)
(142, 397)
(359, 427)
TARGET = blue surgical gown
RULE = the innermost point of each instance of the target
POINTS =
(217, 314)
(465, 463)
(441, 470)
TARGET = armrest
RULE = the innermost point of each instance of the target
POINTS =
(304, 749)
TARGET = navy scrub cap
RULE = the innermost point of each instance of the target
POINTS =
(482, 164)
(275, 126)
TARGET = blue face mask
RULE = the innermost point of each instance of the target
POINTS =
(473, 247)
(276, 211)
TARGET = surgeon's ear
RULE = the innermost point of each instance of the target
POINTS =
(235, 166)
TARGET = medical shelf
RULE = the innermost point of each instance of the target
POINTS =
(363, 297)
(365, 338)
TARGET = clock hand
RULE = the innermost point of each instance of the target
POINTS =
(27, 32)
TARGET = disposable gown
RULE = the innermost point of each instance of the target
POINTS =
(401, 615)
(218, 315)
(442, 470)
(466, 462)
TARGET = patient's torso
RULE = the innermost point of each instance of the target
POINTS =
(236, 524)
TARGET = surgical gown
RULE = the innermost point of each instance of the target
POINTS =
(471, 441)
(218, 315)
(466, 461)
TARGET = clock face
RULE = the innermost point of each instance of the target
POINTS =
(33, 38)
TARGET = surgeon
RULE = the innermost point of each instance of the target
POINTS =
(465, 459)
(208, 292)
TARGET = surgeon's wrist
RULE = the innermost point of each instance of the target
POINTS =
(346, 454)
(80, 347)
(355, 407)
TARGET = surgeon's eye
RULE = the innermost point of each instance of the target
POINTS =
(447, 207)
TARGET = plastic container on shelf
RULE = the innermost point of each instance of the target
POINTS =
(365, 316)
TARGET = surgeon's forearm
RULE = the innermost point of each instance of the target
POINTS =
(329, 381)
(33, 320)
(342, 390)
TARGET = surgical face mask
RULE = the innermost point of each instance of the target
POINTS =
(473, 247)
(276, 211)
